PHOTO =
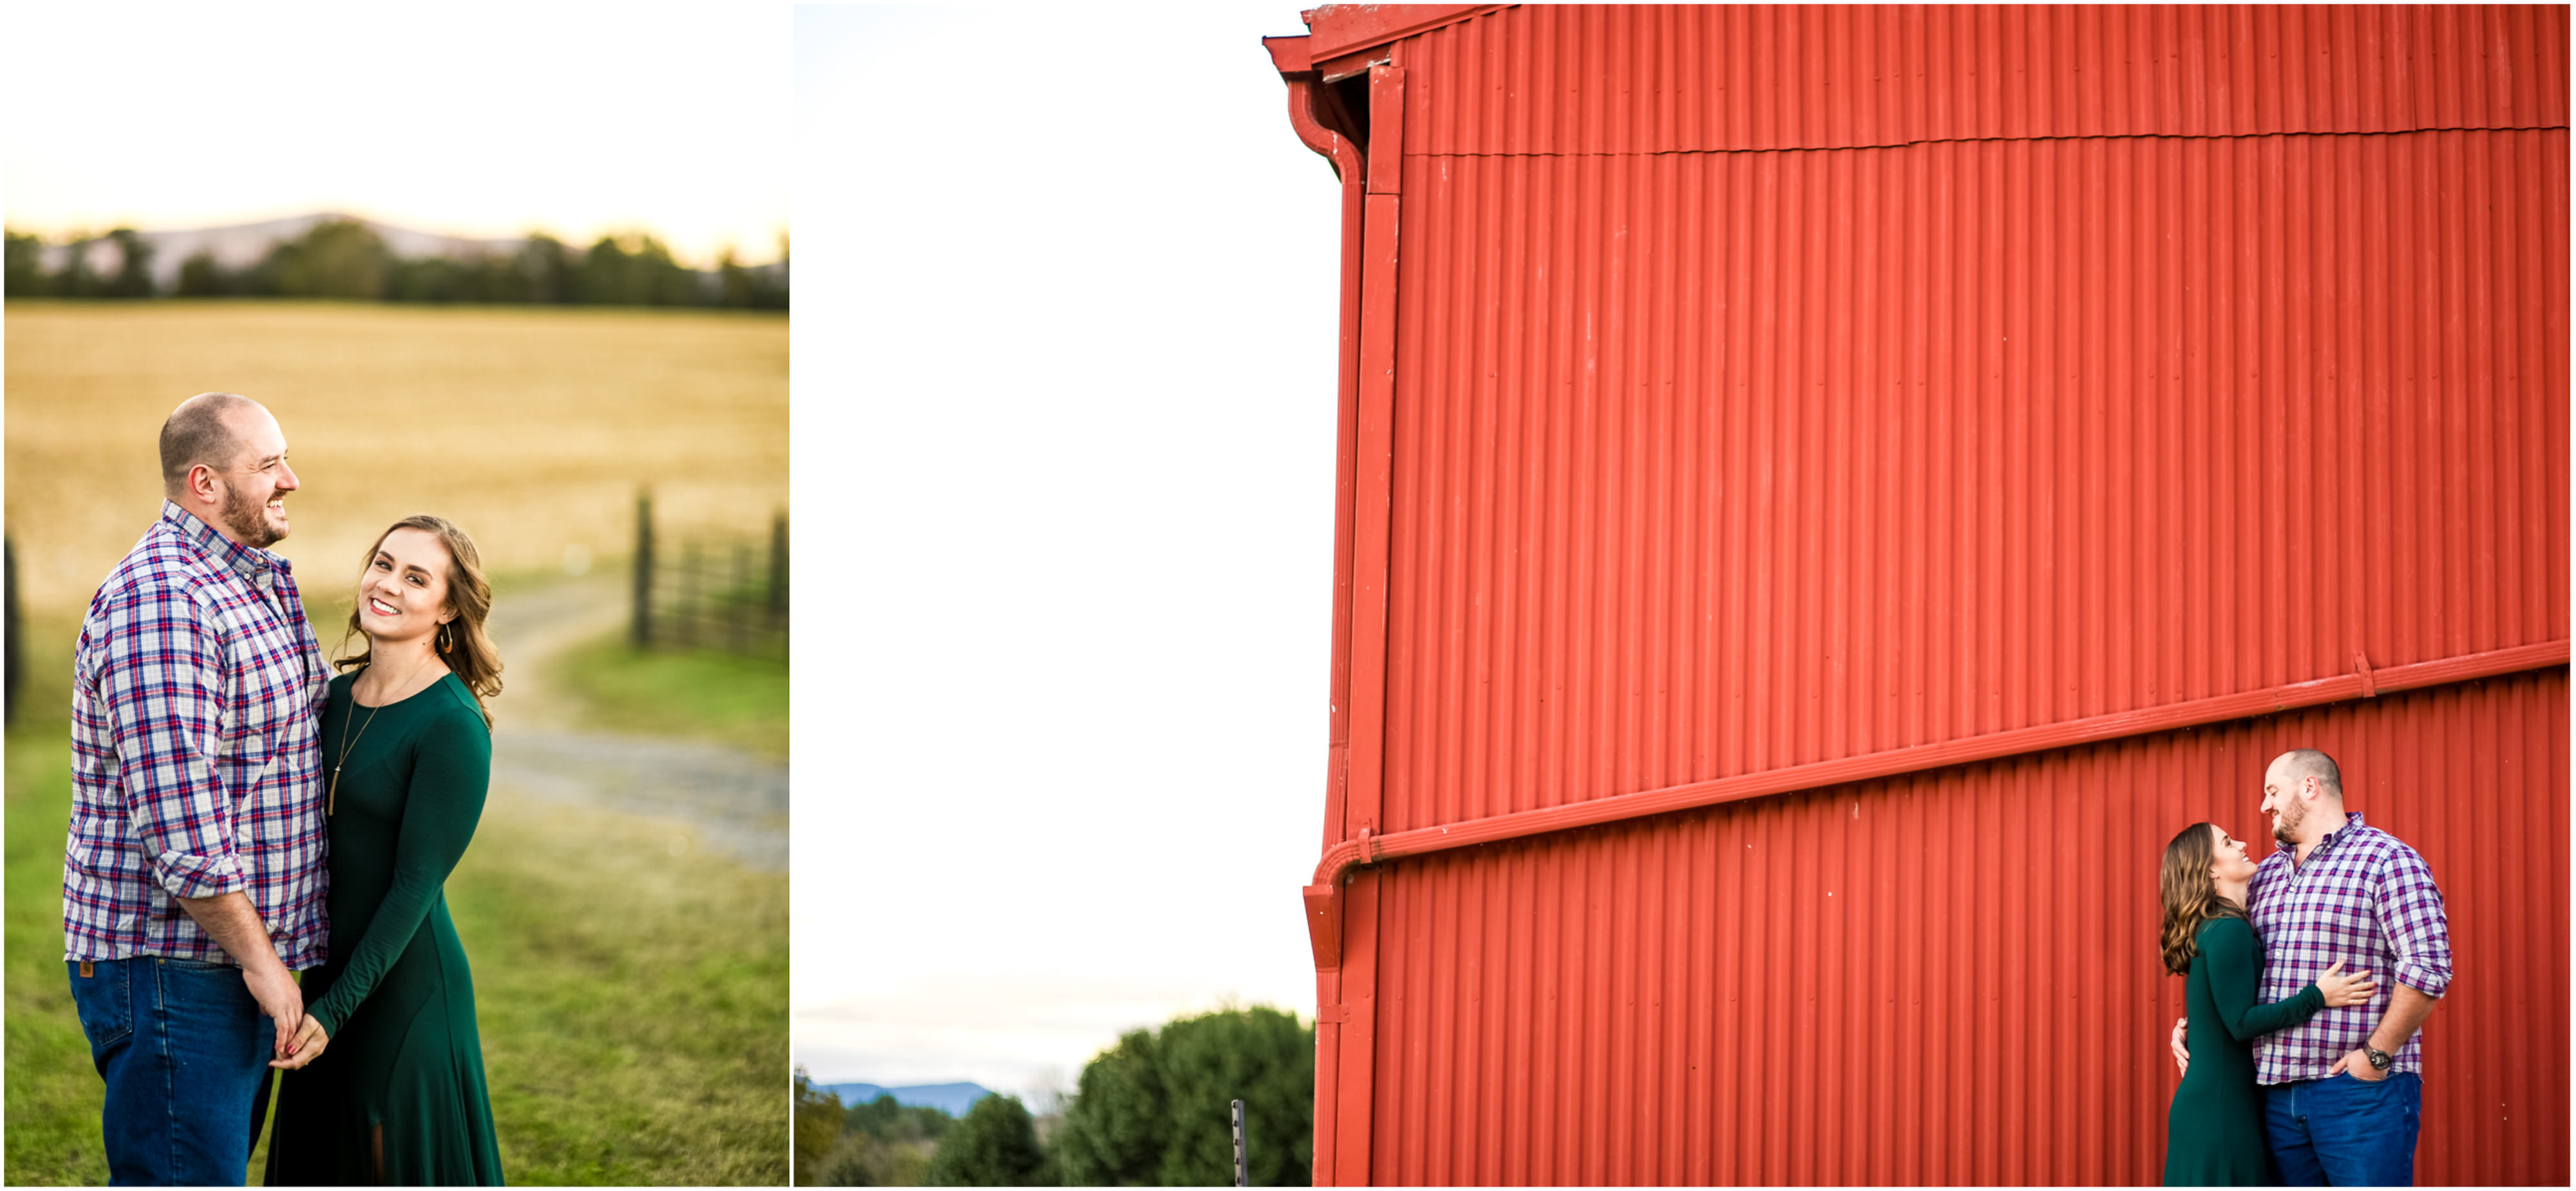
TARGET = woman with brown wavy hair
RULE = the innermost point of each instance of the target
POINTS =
(391, 1083)
(2214, 1132)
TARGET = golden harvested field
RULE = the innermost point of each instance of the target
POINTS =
(532, 427)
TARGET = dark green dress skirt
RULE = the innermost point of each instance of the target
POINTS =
(397, 1096)
(2214, 1133)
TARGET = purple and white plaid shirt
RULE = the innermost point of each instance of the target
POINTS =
(2363, 898)
(197, 693)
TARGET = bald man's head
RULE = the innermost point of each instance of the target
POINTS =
(223, 461)
(2297, 765)
(204, 429)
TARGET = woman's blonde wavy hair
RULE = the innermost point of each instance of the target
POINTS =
(2191, 895)
(469, 654)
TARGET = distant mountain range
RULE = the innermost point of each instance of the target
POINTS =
(242, 245)
(951, 1098)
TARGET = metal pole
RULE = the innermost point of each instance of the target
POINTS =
(1239, 1172)
(643, 631)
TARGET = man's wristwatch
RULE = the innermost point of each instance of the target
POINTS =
(2380, 1060)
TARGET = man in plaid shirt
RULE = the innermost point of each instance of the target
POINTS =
(193, 875)
(2343, 1093)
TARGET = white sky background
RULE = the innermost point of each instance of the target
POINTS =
(1063, 370)
(485, 120)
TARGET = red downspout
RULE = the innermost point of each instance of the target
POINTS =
(1350, 915)
(1289, 55)
(1349, 166)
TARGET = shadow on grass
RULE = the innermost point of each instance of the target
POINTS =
(632, 1002)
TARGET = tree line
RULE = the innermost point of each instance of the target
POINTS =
(343, 258)
(1154, 1110)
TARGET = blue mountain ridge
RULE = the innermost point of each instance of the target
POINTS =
(951, 1098)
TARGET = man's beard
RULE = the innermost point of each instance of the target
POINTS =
(248, 519)
(2285, 829)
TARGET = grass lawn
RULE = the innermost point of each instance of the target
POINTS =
(702, 695)
(53, 1092)
(633, 1005)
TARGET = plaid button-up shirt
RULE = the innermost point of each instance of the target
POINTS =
(197, 693)
(2363, 898)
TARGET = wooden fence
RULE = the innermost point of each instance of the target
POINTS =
(709, 589)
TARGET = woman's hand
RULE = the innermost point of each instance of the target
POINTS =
(308, 1044)
(2340, 990)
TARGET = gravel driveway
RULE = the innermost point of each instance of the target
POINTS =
(737, 802)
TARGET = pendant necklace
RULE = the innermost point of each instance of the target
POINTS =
(331, 797)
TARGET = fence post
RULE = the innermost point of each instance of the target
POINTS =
(738, 601)
(777, 570)
(644, 568)
(9, 629)
(692, 561)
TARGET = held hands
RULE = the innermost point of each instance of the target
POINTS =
(2340, 990)
(307, 1046)
(279, 997)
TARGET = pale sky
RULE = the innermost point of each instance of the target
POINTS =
(472, 119)
(1063, 374)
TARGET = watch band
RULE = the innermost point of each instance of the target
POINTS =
(2380, 1060)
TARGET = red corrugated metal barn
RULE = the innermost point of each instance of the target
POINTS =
(1826, 493)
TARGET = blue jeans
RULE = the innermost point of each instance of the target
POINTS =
(184, 1050)
(2345, 1132)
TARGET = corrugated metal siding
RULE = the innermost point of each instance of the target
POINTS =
(1949, 978)
(1709, 464)
(1775, 386)
(1566, 79)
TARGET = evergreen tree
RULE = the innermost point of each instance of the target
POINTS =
(996, 1145)
(134, 268)
(851, 1164)
(1116, 1129)
(546, 270)
(337, 258)
(75, 280)
(26, 267)
(817, 1125)
(886, 1144)
(201, 277)
(1156, 1110)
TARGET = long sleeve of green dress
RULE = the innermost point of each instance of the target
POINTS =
(450, 773)
(2236, 982)
(398, 1096)
(2214, 1131)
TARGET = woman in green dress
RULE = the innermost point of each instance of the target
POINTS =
(385, 1085)
(2214, 1132)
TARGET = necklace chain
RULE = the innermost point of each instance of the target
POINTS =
(331, 797)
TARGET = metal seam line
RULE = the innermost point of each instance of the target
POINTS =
(1606, 154)
(2365, 683)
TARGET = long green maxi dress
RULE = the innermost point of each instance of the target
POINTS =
(2214, 1133)
(397, 1096)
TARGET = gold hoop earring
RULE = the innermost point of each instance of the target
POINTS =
(446, 641)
